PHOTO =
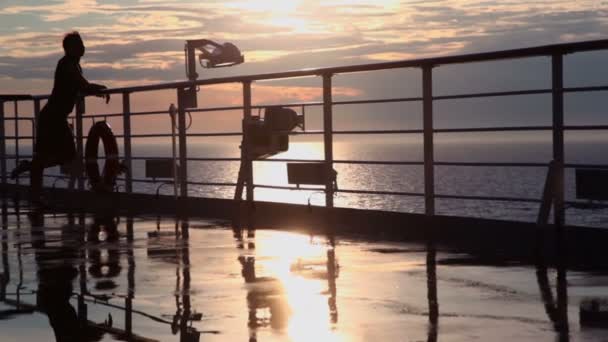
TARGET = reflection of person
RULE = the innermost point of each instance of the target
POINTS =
(53, 295)
(56, 274)
(55, 143)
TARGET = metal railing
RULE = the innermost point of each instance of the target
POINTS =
(557, 90)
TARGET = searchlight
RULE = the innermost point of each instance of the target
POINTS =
(213, 55)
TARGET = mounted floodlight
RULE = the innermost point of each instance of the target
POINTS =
(223, 56)
(270, 135)
(213, 55)
(283, 119)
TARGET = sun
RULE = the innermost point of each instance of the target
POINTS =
(274, 7)
(284, 14)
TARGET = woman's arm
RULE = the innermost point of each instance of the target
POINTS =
(84, 86)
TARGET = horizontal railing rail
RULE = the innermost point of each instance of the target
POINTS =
(538, 51)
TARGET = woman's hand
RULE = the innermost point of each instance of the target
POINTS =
(98, 88)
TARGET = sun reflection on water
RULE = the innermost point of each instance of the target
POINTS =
(275, 173)
(306, 269)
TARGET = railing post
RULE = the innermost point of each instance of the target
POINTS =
(247, 141)
(80, 108)
(126, 124)
(429, 170)
(557, 68)
(328, 138)
(35, 125)
(2, 144)
(183, 151)
(16, 115)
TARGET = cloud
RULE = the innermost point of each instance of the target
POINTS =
(133, 42)
(60, 11)
(231, 94)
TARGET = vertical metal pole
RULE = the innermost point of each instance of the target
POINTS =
(328, 138)
(183, 151)
(429, 200)
(35, 125)
(191, 66)
(16, 136)
(2, 144)
(557, 66)
(80, 108)
(247, 141)
(20, 265)
(172, 114)
(126, 124)
(429, 159)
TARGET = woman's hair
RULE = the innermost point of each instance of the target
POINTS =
(71, 40)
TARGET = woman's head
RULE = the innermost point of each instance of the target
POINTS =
(73, 45)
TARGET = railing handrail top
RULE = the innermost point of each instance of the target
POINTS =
(536, 51)
(15, 97)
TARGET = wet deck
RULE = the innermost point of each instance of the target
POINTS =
(170, 280)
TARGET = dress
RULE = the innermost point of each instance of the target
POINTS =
(55, 141)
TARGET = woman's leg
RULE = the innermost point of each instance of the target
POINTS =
(36, 172)
(54, 146)
(39, 163)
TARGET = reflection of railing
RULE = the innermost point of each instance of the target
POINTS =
(557, 91)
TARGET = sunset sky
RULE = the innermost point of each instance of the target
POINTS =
(141, 42)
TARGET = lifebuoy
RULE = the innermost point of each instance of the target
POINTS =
(105, 181)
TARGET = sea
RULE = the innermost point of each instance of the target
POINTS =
(494, 181)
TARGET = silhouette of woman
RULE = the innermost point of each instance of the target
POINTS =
(55, 143)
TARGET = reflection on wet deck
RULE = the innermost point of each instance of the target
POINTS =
(83, 277)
